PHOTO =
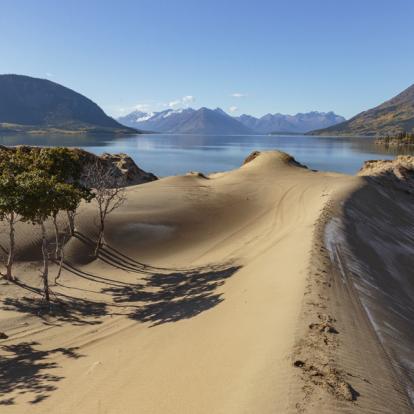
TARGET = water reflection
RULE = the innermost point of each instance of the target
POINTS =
(178, 154)
(54, 140)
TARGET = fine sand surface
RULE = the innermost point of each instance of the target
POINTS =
(268, 289)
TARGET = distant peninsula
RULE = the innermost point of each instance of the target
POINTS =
(41, 107)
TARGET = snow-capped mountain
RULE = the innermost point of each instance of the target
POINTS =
(186, 121)
(213, 121)
(164, 121)
(217, 121)
(301, 122)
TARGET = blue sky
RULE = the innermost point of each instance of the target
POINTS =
(256, 56)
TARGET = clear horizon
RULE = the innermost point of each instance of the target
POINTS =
(270, 57)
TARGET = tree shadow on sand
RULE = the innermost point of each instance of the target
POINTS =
(25, 369)
(165, 294)
(115, 258)
(63, 309)
(161, 295)
(173, 296)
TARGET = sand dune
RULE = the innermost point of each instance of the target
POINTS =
(268, 289)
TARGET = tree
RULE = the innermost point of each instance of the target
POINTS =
(109, 194)
(8, 204)
(45, 196)
(35, 185)
(52, 185)
(65, 166)
(65, 197)
(71, 215)
(8, 201)
(38, 189)
(12, 200)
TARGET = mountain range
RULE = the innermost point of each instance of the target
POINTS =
(390, 118)
(301, 122)
(186, 121)
(32, 105)
(217, 121)
(40, 106)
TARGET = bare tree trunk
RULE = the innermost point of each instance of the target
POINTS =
(45, 274)
(10, 258)
(61, 258)
(57, 242)
(71, 220)
(108, 195)
(100, 238)
(60, 266)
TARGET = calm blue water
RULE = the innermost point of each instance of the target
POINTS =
(177, 154)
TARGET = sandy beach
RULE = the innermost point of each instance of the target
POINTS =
(271, 288)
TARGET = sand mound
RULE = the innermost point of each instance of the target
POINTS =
(219, 294)
(275, 155)
(396, 174)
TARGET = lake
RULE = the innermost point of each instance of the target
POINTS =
(177, 154)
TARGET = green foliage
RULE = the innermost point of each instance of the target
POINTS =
(39, 182)
(61, 163)
(35, 185)
(40, 195)
(12, 165)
